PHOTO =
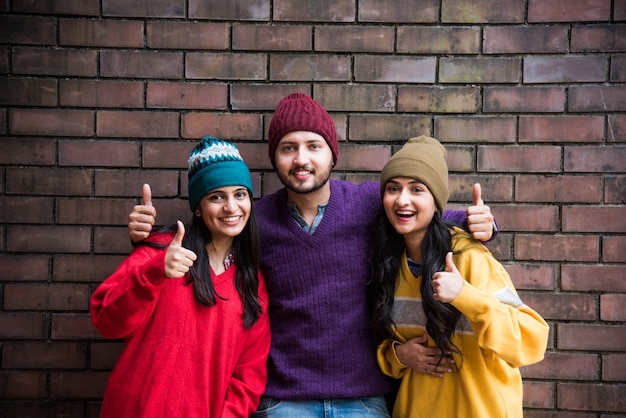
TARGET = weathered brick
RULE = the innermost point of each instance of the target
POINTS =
(606, 278)
(564, 366)
(114, 240)
(27, 30)
(4, 59)
(45, 408)
(542, 159)
(524, 99)
(230, 10)
(22, 384)
(525, 39)
(438, 99)
(618, 69)
(24, 268)
(582, 159)
(137, 124)
(615, 190)
(48, 239)
(528, 218)
(144, 8)
(592, 396)
(187, 96)
(225, 66)
(532, 276)
(101, 33)
(360, 98)
(614, 367)
(51, 122)
(166, 154)
(96, 93)
(613, 249)
(571, 69)
(20, 325)
(92, 211)
(383, 128)
(28, 92)
(598, 38)
(460, 159)
(494, 188)
(562, 306)
(538, 395)
(105, 355)
(98, 153)
(25, 210)
(482, 11)
(569, 11)
(562, 128)
(616, 128)
(84, 268)
(49, 181)
(44, 355)
(317, 11)
(392, 69)
(400, 11)
(78, 384)
(619, 10)
(141, 64)
(591, 337)
(187, 35)
(475, 128)
(262, 96)
(363, 158)
(479, 70)
(558, 189)
(611, 307)
(272, 38)
(314, 67)
(229, 126)
(73, 326)
(113, 183)
(438, 39)
(354, 38)
(61, 7)
(572, 248)
(55, 62)
(607, 219)
(597, 98)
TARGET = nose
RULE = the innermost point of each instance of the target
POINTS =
(403, 198)
(230, 204)
(301, 156)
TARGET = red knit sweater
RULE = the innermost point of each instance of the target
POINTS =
(180, 359)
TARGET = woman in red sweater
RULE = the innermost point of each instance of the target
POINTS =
(191, 304)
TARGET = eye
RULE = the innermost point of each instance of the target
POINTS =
(287, 148)
(215, 197)
(241, 194)
(391, 188)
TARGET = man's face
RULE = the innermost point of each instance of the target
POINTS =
(303, 161)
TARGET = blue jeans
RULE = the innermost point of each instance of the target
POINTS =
(370, 407)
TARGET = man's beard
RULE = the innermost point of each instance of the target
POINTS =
(320, 179)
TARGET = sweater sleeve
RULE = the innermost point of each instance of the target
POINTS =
(501, 322)
(388, 360)
(249, 378)
(126, 299)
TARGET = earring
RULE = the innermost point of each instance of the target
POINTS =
(198, 213)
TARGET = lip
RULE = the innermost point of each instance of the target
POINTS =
(231, 220)
(301, 174)
(405, 215)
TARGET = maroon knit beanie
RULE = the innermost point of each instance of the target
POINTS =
(299, 112)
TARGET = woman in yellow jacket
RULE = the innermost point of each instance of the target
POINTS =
(432, 282)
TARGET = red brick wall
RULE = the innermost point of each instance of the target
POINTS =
(99, 96)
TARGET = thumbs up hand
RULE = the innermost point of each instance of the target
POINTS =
(479, 217)
(178, 259)
(142, 217)
(447, 284)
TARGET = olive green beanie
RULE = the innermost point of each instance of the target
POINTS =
(422, 158)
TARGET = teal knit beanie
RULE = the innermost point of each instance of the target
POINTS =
(215, 163)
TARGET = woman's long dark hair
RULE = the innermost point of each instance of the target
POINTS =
(246, 248)
(441, 318)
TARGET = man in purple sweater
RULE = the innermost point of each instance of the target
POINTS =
(315, 241)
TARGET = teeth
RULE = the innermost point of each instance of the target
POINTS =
(231, 219)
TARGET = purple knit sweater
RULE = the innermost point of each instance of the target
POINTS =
(321, 348)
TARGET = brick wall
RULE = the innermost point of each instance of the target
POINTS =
(100, 96)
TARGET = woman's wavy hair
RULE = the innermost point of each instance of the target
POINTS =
(246, 248)
(441, 318)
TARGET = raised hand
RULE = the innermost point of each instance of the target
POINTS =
(142, 218)
(178, 259)
(447, 284)
(422, 359)
(479, 217)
